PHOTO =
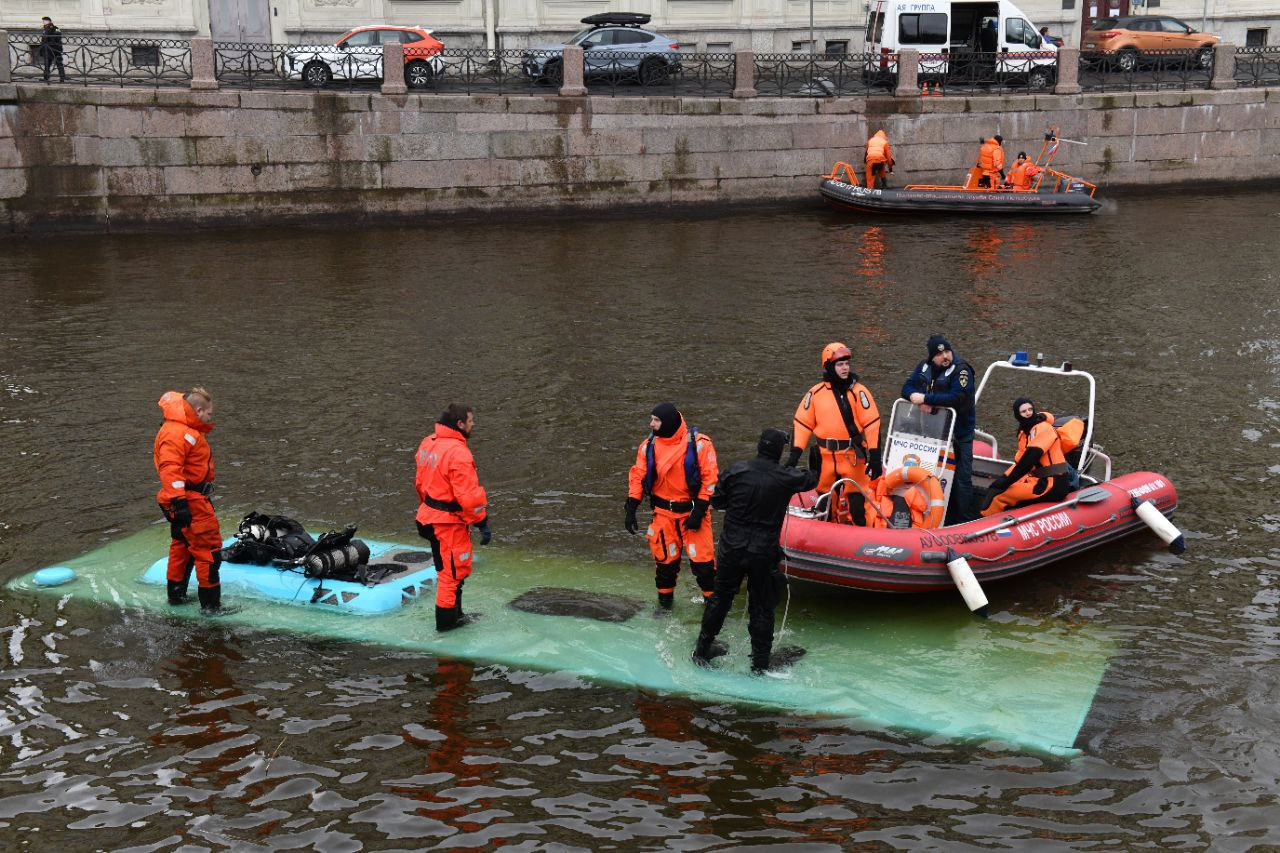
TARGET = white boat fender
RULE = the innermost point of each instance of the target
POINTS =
(968, 585)
(1162, 526)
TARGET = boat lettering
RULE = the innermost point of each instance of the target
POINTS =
(1048, 524)
(1147, 488)
(941, 540)
(884, 552)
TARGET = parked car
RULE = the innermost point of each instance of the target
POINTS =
(613, 45)
(1125, 42)
(358, 56)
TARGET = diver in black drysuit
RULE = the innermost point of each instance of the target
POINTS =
(754, 496)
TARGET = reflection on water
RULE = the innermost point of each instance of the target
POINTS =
(331, 352)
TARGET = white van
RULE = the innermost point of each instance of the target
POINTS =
(990, 41)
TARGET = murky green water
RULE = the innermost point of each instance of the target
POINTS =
(330, 352)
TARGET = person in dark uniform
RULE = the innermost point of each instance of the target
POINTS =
(51, 49)
(945, 379)
(754, 496)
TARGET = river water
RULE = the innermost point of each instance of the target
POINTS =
(331, 351)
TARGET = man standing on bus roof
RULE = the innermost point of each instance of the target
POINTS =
(945, 379)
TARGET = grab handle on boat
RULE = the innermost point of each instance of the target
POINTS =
(1162, 526)
(968, 585)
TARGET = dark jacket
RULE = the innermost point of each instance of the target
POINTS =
(952, 387)
(754, 496)
(51, 40)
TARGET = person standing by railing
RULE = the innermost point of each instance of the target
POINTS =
(51, 49)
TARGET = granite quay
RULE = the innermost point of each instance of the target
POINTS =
(132, 157)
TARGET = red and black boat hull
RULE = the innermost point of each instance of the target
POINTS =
(849, 197)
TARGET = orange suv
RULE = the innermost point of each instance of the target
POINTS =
(1122, 43)
(358, 55)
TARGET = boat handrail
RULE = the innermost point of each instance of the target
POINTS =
(995, 445)
(1067, 370)
(850, 173)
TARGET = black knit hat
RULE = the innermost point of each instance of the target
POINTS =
(771, 443)
(938, 344)
(670, 417)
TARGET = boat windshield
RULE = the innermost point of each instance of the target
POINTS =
(919, 438)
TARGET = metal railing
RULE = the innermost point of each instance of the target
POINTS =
(822, 76)
(492, 71)
(278, 66)
(650, 74)
(83, 60)
(1257, 66)
(1131, 71)
(970, 72)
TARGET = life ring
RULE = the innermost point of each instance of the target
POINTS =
(915, 475)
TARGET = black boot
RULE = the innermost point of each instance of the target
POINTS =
(707, 649)
(178, 593)
(666, 600)
(446, 618)
(759, 665)
(211, 602)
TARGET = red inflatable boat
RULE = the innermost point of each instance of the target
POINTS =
(915, 559)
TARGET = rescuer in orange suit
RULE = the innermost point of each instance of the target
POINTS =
(184, 463)
(1039, 471)
(991, 161)
(676, 467)
(879, 160)
(841, 415)
(1023, 173)
(452, 501)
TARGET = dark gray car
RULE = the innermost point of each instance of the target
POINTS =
(615, 46)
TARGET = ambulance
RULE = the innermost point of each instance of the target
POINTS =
(987, 42)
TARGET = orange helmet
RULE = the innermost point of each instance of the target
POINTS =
(835, 351)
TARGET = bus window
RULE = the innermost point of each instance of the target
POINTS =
(875, 27)
(929, 28)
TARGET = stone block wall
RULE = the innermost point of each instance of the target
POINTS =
(128, 158)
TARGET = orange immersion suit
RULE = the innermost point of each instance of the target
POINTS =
(673, 501)
(1049, 480)
(1023, 175)
(185, 465)
(879, 159)
(991, 161)
(843, 454)
(452, 499)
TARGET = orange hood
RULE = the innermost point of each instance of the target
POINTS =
(178, 410)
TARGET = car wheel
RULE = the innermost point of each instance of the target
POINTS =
(1204, 58)
(316, 74)
(418, 74)
(1127, 60)
(652, 72)
(1039, 78)
(553, 73)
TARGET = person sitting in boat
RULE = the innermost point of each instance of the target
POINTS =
(1023, 174)
(879, 160)
(991, 162)
(1039, 472)
(840, 414)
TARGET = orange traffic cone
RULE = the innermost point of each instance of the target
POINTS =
(937, 90)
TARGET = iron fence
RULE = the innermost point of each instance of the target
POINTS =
(978, 72)
(276, 66)
(1257, 66)
(822, 76)
(492, 71)
(669, 73)
(1131, 71)
(34, 57)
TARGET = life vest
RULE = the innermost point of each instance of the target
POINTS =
(692, 473)
(1070, 434)
(1053, 459)
(925, 515)
(878, 148)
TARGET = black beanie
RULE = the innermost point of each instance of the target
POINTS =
(937, 344)
(771, 443)
(670, 417)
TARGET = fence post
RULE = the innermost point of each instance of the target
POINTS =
(908, 74)
(744, 73)
(571, 84)
(203, 73)
(5, 72)
(1068, 71)
(1224, 67)
(393, 69)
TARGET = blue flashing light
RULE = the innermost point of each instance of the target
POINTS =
(1019, 359)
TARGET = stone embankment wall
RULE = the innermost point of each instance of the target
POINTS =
(108, 158)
